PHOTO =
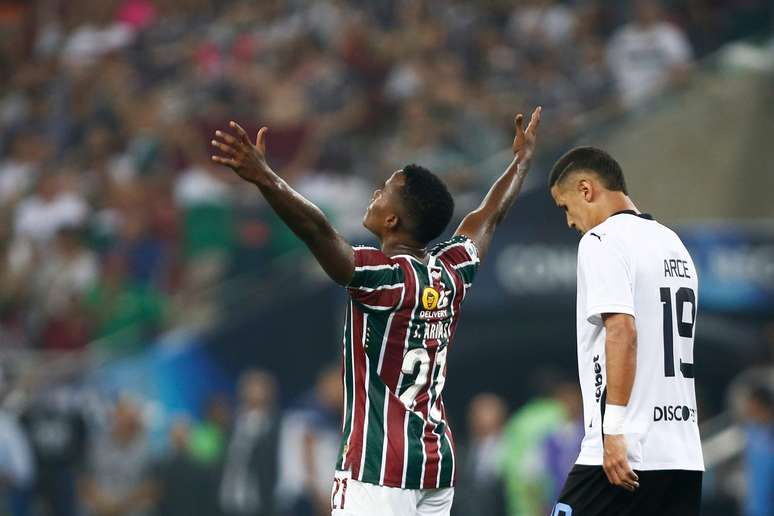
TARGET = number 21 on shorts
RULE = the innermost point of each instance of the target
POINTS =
(339, 492)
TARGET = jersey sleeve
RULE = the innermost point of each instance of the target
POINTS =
(461, 254)
(377, 281)
(607, 276)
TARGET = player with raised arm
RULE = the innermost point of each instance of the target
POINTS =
(636, 311)
(397, 452)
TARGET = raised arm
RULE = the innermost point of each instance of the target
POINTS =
(479, 224)
(306, 220)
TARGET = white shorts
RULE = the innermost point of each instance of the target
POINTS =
(352, 498)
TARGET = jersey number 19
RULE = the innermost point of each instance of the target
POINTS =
(685, 301)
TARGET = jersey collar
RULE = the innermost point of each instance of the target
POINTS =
(646, 216)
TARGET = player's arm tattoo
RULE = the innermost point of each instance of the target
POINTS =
(479, 225)
(303, 217)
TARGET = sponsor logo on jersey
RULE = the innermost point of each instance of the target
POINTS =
(471, 249)
(597, 378)
(433, 299)
(433, 314)
(674, 413)
(430, 298)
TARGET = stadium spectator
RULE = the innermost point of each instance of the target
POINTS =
(38, 218)
(208, 438)
(17, 468)
(124, 314)
(542, 24)
(480, 487)
(183, 487)
(526, 475)
(759, 451)
(250, 469)
(59, 435)
(309, 444)
(647, 54)
(118, 481)
(20, 168)
(561, 446)
(70, 270)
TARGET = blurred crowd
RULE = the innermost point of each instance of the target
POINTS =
(71, 452)
(67, 452)
(111, 213)
(115, 225)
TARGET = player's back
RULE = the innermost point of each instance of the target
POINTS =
(401, 319)
(656, 268)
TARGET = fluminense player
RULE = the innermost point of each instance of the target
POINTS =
(397, 451)
(636, 314)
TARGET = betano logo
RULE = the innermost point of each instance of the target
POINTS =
(430, 298)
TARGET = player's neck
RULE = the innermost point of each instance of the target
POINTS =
(393, 246)
(617, 202)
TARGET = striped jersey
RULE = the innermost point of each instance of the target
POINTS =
(401, 319)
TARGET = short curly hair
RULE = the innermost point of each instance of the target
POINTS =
(429, 205)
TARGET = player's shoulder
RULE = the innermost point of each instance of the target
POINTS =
(369, 256)
(458, 247)
(609, 234)
(601, 233)
(367, 249)
(374, 269)
(455, 242)
(622, 225)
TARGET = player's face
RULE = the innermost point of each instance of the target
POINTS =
(382, 210)
(577, 210)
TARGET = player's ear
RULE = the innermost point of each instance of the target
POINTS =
(586, 189)
(391, 222)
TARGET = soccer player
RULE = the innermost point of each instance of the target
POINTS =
(636, 309)
(397, 452)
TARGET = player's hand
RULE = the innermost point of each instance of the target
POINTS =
(238, 153)
(616, 465)
(524, 141)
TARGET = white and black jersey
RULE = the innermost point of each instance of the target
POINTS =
(631, 264)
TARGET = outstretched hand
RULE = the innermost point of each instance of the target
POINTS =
(239, 154)
(524, 141)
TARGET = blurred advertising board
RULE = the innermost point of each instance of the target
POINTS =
(532, 265)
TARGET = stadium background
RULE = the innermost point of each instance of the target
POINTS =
(138, 282)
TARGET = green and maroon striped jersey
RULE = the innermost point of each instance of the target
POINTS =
(400, 322)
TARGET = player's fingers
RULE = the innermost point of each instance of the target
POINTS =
(534, 120)
(610, 474)
(260, 139)
(631, 477)
(519, 122)
(242, 133)
(227, 149)
(225, 161)
(626, 480)
(616, 476)
(226, 138)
